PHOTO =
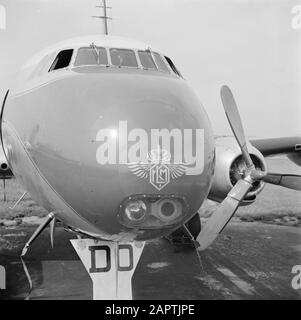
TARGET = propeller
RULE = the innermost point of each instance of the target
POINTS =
(290, 181)
(285, 180)
(222, 215)
(235, 122)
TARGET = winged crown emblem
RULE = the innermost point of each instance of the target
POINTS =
(158, 169)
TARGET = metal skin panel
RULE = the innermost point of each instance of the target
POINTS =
(58, 141)
(31, 178)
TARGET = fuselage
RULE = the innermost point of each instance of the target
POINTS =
(97, 142)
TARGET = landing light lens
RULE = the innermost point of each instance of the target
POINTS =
(168, 209)
(135, 210)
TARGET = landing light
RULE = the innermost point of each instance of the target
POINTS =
(168, 210)
(135, 210)
(152, 211)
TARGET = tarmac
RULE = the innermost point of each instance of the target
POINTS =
(248, 261)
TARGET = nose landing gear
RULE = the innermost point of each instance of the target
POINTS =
(111, 266)
(187, 234)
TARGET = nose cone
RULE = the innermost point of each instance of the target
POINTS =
(97, 136)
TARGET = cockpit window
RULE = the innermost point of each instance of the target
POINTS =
(160, 63)
(173, 67)
(146, 59)
(62, 60)
(123, 58)
(91, 56)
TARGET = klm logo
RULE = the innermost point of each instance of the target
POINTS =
(157, 155)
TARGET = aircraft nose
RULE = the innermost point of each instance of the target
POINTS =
(112, 136)
(154, 121)
(152, 139)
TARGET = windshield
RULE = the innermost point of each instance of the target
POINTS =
(160, 63)
(123, 58)
(62, 60)
(146, 59)
(89, 56)
(173, 67)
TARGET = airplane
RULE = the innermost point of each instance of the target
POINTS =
(105, 134)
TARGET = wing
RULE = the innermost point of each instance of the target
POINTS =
(140, 169)
(291, 147)
(176, 170)
(271, 147)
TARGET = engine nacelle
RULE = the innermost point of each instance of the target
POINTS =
(229, 168)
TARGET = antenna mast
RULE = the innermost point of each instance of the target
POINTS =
(104, 17)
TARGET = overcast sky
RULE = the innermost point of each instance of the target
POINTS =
(249, 45)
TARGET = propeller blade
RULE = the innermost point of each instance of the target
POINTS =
(222, 215)
(52, 231)
(234, 120)
(290, 181)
